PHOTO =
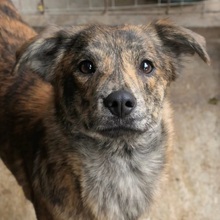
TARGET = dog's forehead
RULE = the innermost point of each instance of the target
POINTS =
(102, 41)
(115, 36)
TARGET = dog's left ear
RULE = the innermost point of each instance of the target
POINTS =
(181, 40)
(42, 53)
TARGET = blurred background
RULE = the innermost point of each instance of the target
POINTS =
(195, 13)
(193, 189)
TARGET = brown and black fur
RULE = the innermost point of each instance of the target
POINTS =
(13, 33)
(76, 159)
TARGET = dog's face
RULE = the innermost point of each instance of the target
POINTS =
(111, 80)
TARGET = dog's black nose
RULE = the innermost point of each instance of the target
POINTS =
(120, 103)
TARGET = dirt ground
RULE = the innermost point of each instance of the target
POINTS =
(193, 189)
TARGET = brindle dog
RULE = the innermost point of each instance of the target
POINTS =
(85, 112)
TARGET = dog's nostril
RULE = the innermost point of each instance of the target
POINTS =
(120, 103)
(114, 104)
(129, 104)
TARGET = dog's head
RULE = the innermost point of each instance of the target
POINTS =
(111, 79)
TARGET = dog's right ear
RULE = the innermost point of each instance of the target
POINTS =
(181, 40)
(42, 53)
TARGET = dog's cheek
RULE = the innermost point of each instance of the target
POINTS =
(79, 100)
(69, 90)
(90, 104)
(155, 90)
(68, 99)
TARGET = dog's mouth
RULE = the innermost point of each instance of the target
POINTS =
(117, 131)
(114, 127)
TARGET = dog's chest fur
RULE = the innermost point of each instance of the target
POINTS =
(118, 178)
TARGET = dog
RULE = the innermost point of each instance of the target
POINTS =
(85, 120)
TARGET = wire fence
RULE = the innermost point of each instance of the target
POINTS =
(119, 6)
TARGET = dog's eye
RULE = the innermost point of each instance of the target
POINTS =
(146, 66)
(86, 67)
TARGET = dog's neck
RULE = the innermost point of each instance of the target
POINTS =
(122, 172)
